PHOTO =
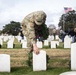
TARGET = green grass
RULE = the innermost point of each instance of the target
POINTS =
(29, 71)
(51, 70)
(15, 46)
(4, 46)
(55, 65)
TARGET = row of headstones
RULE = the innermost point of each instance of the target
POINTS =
(9, 37)
(53, 44)
(39, 44)
(39, 61)
(73, 61)
(5, 38)
(10, 40)
(19, 38)
(23, 42)
(67, 41)
(68, 44)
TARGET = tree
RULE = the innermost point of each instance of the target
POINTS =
(41, 31)
(13, 28)
(45, 32)
(68, 20)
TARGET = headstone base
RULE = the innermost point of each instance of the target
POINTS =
(69, 73)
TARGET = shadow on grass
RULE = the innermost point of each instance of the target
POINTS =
(21, 69)
(15, 69)
(29, 71)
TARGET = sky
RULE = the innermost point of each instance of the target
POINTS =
(16, 10)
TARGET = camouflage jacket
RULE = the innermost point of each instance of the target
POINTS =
(35, 18)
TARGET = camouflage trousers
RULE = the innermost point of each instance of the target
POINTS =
(29, 51)
(29, 56)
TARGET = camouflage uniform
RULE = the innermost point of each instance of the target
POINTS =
(34, 18)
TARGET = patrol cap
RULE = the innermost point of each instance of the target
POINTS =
(39, 17)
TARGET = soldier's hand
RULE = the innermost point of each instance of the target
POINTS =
(35, 49)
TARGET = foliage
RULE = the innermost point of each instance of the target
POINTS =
(0, 32)
(13, 28)
(68, 20)
(45, 32)
(42, 31)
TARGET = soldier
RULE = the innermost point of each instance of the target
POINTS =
(30, 24)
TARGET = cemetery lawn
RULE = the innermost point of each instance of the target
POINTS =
(28, 71)
(58, 62)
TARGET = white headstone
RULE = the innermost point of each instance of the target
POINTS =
(54, 44)
(50, 38)
(73, 56)
(46, 43)
(5, 38)
(1, 37)
(57, 37)
(10, 37)
(39, 44)
(22, 41)
(24, 44)
(69, 73)
(10, 44)
(4, 63)
(39, 61)
(67, 42)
